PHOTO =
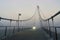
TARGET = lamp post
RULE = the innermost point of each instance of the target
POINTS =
(18, 21)
(0, 18)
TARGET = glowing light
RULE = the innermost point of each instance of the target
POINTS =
(34, 28)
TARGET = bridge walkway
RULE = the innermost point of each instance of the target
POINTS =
(29, 35)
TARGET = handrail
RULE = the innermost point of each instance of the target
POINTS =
(17, 20)
(53, 16)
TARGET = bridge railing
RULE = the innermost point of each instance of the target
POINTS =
(7, 31)
(54, 34)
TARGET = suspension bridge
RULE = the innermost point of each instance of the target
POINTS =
(27, 29)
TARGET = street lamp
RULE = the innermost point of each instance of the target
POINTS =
(18, 21)
(0, 18)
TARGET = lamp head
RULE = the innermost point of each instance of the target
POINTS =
(19, 14)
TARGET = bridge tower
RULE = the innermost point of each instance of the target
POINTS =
(40, 18)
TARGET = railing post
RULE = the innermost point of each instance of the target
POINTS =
(53, 22)
(10, 22)
(49, 28)
(17, 26)
(56, 33)
(53, 29)
(6, 31)
(10, 25)
(22, 25)
(13, 29)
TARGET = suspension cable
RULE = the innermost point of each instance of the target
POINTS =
(17, 20)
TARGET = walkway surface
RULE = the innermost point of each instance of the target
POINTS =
(30, 35)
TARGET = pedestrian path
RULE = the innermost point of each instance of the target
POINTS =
(29, 35)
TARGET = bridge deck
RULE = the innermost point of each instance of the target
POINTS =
(29, 35)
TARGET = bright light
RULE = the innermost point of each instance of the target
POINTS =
(34, 28)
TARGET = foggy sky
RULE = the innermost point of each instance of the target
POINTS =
(11, 8)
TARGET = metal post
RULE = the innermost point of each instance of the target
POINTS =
(10, 22)
(6, 31)
(49, 28)
(0, 18)
(18, 21)
(53, 22)
(10, 26)
(13, 29)
(17, 26)
(53, 28)
(56, 34)
(22, 25)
